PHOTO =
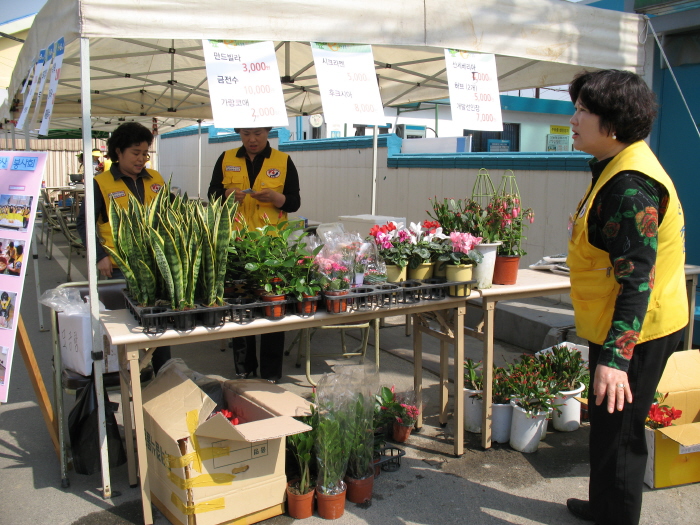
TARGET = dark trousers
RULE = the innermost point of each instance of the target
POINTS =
(271, 355)
(618, 450)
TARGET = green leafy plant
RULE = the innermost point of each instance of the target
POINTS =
(472, 375)
(566, 366)
(331, 448)
(361, 441)
(215, 221)
(530, 386)
(303, 277)
(301, 446)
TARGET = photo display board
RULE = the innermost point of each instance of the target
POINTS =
(21, 173)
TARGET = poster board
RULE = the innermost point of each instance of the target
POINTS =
(21, 173)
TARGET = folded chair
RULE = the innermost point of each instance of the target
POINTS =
(74, 240)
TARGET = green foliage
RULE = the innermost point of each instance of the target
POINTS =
(301, 446)
(472, 375)
(331, 448)
(361, 442)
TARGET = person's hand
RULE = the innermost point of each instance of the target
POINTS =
(104, 266)
(267, 195)
(238, 195)
(607, 381)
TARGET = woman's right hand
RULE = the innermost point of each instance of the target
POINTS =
(237, 194)
(104, 266)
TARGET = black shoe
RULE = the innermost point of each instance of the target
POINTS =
(246, 375)
(580, 508)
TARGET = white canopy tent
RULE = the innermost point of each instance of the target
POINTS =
(144, 57)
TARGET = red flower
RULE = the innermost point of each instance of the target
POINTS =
(625, 343)
(647, 222)
(611, 229)
(623, 267)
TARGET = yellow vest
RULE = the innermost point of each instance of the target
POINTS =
(118, 190)
(593, 285)
(272, 175)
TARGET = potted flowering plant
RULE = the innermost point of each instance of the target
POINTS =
(394, 243)
(512, 220)
(303, 277)
(425, 243)
(661, 416)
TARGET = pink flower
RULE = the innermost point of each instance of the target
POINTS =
(516, 212)
(463, 242)
(404, 235)
(384, 240)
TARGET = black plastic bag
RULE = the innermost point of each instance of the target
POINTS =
(84, 432)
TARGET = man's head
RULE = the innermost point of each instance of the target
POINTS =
(254, 139)
(96, 153)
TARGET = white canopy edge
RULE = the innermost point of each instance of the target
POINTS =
(547, 31)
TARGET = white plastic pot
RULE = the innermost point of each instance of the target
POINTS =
(501, 418)
(526, 431)
(483, 272)
(570, 417)
(473, 411)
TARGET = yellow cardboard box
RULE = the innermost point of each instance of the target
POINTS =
(208, 471)
(674, 452)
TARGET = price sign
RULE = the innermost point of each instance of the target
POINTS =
(32, 90)
(473, 84)
(53, 86)
(244, 84)
(348, 83)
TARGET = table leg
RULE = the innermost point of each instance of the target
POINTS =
(133, 357)
(375, 323)
(444, 381)
(690, 284)
(128, 427)
(489, 308)
(459, 380)
(418, 372)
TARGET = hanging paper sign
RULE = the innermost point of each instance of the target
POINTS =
(21, 173)
(473, 84)
(244, 84)
(35, 81)
(53, 86)
(348, 83)
(42, 81)
(27, 80)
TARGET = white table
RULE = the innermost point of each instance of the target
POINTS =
(123, 330)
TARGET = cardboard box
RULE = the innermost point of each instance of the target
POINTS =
(208, 470)
(75, 336)
(674, 452)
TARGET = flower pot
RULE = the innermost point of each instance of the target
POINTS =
(505, 270)
(526, 431)
(300, 506)
(459, 272)
(274, 311)
(483, 273)
(395, 274)
(336, 302)
(184, 321)
(421, 272)
(440, 269)
(473, 411)
(359, 279)
(501, 419)
(330, 506)
(306, 307)
(568, 418)
(360, 490)
(401, 432)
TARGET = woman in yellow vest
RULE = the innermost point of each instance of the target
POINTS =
(266, 186)
(128, 148)
(626, 257)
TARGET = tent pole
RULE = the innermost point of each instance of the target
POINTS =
(91, 262)
(375, 142)
(199, 162)
(12, 133)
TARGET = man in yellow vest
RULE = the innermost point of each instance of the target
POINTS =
(265, 183)
(128, 148)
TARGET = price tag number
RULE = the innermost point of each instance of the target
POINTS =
(262, 112)
(255, 66)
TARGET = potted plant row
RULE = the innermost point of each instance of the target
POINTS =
(173, 252)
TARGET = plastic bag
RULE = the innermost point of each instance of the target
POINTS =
(83, 428)
(209, 385)
(336, 260)
(67, 300)
(373, 263)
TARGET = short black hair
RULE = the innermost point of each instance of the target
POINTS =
(127, 135)
(238, 130)
(623, 101)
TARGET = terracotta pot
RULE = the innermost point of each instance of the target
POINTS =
(505, 271)
(360, 490)
(336, 306)
(402, 432)
(274, 311)
(422, 272)
(395, 274)
(330, 506)
(300, 506)
(307, 307)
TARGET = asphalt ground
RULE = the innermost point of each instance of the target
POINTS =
(432, 486)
